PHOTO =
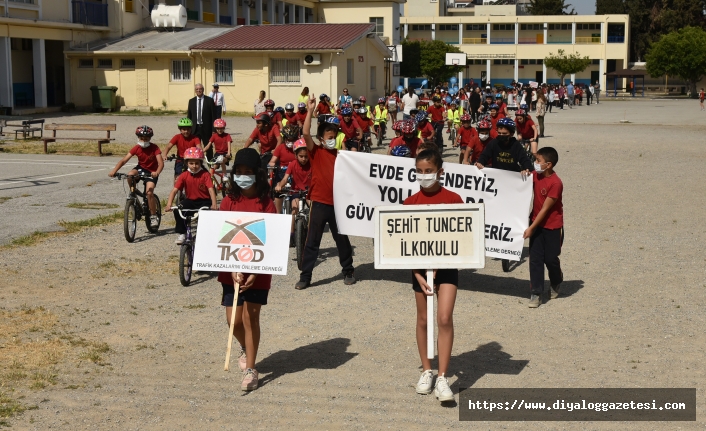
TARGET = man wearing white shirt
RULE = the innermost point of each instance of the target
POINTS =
(409, 102)
(218, 100)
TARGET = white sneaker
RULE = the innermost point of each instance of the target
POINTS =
(242, 360)
(154, 221)
(442, 390)
(424, 384)
(180, 239)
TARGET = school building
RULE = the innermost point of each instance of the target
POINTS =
(502, 43)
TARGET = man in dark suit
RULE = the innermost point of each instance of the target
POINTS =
(202, 113)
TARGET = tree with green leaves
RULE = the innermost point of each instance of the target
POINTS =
(428, 58)
(549, 7)
(682, 54)
(608, 7)
(566, 64)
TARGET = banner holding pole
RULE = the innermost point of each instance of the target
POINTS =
(363, 182)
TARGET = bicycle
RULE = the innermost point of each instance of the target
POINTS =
(365, 143)
(380, 129)
(179, 196)
(135, 210)
(220, 182)
(527, 146)
(301, 226)
(186, 252)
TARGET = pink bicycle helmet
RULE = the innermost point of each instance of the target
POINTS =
(465, 117)
(397, 125)
(298, 145)
(484, 124)
(407, 127)
(193, 153)
(219, 123)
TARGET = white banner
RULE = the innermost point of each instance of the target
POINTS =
(255, 243)
(363, 181)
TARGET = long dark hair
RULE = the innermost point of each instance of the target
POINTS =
(261, 183)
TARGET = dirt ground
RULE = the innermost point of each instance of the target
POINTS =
(119, 344)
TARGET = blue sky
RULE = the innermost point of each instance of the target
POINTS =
(583, 7)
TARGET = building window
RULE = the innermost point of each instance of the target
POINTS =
(476, 27)
(285, 71)
(85, 63)
(531, 27)
(181, 70)
(379, 25)
(105, 63)
(595, 62)
(421, 27)
(524, 62)
(373, 77)
(224, 70)
(349, 71)
(127, 63)
(20, 44)
(540, 61)
(500, 27)
(559, 26)
(448, 27)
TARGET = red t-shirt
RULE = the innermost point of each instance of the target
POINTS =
(442, 196)
(284, 154)
(525, 129)
(322, 162)
(275, 116)
(366, 123)
(426, 131)
(220, 143)
(248, 205)
(194, 186)
(494, 120)
(301, 175)
(551, 187)
(349, 129)
(412, 145)
(147, 157)
(293, 118)
(301, 116)
(437, 114)
(466, 135)
(183, 143)
(268, 140)
(477, 147)
(323, 108)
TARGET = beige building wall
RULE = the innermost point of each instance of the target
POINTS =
(56, 10)
(422, 8)
(361, 12)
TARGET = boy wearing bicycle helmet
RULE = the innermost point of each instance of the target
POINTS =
(282, 157)
(350, 128)
(407, 139)
(267, 134)
(323, 107)
(506, 152)
(486, 133)
(300, 173)
(465, 137)
(301, 114)
(149, 165)
(183, 141)
(222, 142)
(197, 187)
(424, 128)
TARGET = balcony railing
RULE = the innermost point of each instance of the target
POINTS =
(529, 40)
(616, 39)
(588, 40)
(559, 40)
(502, 40)
(449, 40)
(89, 13)
(475, 41)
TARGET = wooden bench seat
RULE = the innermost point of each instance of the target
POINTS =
(107, 128)
(30, 126)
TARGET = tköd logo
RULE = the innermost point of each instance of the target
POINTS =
(241, 235)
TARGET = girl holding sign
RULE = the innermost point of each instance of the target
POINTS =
(250, 193)
(429, 169)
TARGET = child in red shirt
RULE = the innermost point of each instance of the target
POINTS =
(221, 141)
(407, 138)
(299, 173)
(197, 187)
(546, 233)
(322, 157)
(323, 107)
(429, 169)
(250, 193)
(282, 157)
(366, 123)
(465, 137)
(267, 134)
(486, 133)
(183, 140)
(149, 164)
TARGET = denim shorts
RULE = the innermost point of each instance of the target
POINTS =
(254, 296)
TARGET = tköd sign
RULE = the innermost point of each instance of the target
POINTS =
(430, 236)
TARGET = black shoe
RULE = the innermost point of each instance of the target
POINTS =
(349, 278)
(301, 285)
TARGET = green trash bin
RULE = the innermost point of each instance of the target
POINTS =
(103, 97)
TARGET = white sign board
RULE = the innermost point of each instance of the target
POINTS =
(254, 243)
(430, 236)
(533, 84)
(455, 59)
(363, 182)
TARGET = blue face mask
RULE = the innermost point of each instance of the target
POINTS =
(244, 181)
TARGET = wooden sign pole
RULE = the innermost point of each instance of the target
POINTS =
(232, 324)
(430, 315)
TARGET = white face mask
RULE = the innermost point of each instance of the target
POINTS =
(483, 136)
(196, 171)
(538, 168)
(330, 144)
(142, 144)
(289, 144)
(427, 180)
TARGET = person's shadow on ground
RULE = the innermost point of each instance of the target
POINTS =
(324, 355)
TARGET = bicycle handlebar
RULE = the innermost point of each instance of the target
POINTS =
(121, 176)
(179, 209)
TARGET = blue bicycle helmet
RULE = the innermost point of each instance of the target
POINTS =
(494, 106)
(334, 120)
(506, 123)
(346, 111)
(280, 110)
(400, 151)
(421, 116)
(499, 96)
(524, 106)
(323, 97)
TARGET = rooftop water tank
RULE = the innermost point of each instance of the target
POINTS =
(169, 16)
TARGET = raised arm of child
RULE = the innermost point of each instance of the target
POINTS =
(306, 130)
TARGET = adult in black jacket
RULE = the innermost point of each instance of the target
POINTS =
(202, 112)
(474, 101)
(505, 151)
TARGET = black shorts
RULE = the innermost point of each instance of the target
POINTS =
(265, 160)
(254, 296)
(142, 171)
(443, 276)
(178, 167)
(351, 143)
(225, 161)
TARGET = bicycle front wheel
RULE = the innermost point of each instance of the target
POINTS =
(130, 220)
(185, 262)
(300, 231)
(148, 220)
